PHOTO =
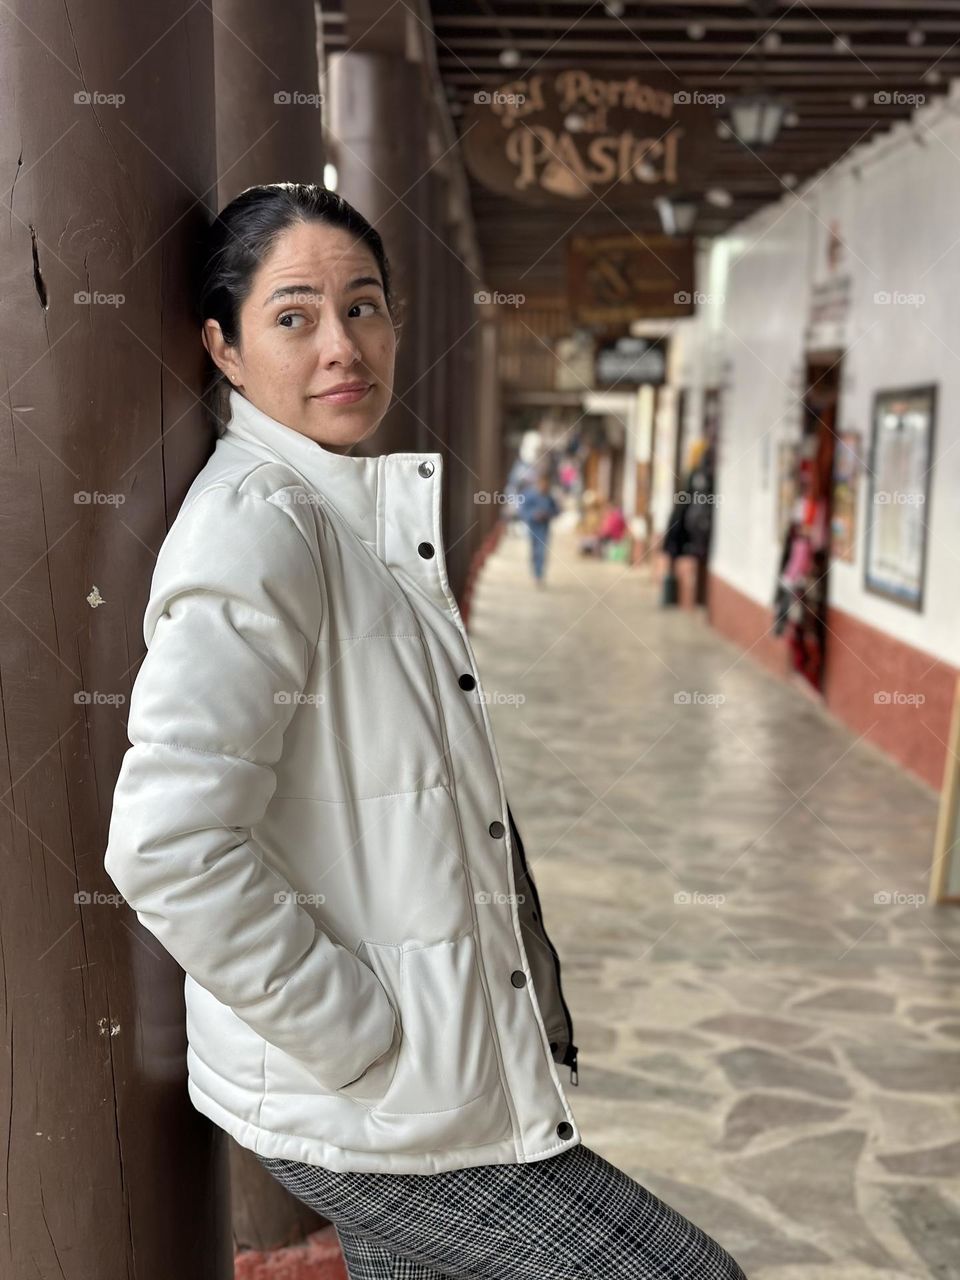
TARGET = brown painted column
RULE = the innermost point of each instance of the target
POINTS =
(409, 182)
(269, 129)
(462, 396)
(489, 415)
(460, 409)
(269, 116)
(377, 117)
(439, 341)
(108, 151)
(109, 140)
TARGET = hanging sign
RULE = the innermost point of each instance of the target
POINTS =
(831, 294)
(560, 136)
(628, 361)
(613, 279)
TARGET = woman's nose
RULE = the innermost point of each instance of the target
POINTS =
(336, 344)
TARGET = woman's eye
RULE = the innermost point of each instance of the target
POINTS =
(290, 315)
(374, 305)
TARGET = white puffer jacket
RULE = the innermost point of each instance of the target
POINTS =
(312, 820)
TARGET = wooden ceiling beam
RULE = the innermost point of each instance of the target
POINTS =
(737, 81)
(525, 243)
(742, 23)
(703, 10)
(854, 72)
(924, 55)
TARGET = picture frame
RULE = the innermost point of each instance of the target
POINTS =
(902, 429)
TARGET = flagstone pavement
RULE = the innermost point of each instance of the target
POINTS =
(765, 1043)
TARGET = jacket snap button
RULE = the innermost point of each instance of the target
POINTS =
(496, 829)
(425, 469)
(426, 549)
(467, 682)
(564, 1129)
(518, 977)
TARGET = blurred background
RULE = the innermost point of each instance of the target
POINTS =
(680, 285)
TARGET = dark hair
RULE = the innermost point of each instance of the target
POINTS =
(240, 238)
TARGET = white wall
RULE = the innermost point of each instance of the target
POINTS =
(899, 225)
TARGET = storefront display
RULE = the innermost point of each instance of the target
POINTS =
(805, 485)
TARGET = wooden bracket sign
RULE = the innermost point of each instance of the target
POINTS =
(560, 136)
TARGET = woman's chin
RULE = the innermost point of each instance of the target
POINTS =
(336, 427)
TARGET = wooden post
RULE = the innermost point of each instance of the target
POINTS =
(269, 114)
(110, 137)
(403, 181)
(108, 145)
(380, 170)
(269, 129)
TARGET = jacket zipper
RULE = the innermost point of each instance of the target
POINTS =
(570, 1054)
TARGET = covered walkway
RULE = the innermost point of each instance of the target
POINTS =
(764, 1042)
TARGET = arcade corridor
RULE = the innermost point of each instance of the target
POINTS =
(780, 1063)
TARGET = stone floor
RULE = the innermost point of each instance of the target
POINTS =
(764, 1043)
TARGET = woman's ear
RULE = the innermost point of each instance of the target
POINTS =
(221, 353)
(206, 330)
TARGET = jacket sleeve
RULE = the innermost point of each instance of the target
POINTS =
(231, 628)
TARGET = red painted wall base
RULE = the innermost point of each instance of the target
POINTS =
(318, 1258)
(897, 697)
(489, 543)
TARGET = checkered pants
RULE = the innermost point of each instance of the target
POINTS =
(569, 1215)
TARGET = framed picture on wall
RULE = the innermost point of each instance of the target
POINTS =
(901, 453)
(945, 874)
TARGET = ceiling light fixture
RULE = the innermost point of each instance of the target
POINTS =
(756, 118)
(719, 198)
(677, 214)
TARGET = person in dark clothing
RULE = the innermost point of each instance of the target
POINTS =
(689, 530)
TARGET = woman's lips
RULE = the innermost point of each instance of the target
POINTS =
(346, 396)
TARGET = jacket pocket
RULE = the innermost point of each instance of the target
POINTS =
(446, 1057)
(372, 1084)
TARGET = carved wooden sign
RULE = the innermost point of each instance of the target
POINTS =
(613, 279)
(575, 134)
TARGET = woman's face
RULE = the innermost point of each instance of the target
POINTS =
(315, 319)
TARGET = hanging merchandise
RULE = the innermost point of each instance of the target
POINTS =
(799, 604)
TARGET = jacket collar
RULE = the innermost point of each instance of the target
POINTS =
(391, 501)
(349, 481)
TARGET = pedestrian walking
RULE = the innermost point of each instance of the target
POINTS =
(537, 509)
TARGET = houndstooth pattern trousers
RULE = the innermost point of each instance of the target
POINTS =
(570, 1215)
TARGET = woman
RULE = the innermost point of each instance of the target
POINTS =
(312, 817)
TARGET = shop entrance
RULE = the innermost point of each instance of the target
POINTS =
(806, 516)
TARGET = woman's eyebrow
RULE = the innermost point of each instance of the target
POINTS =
(357, 283)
